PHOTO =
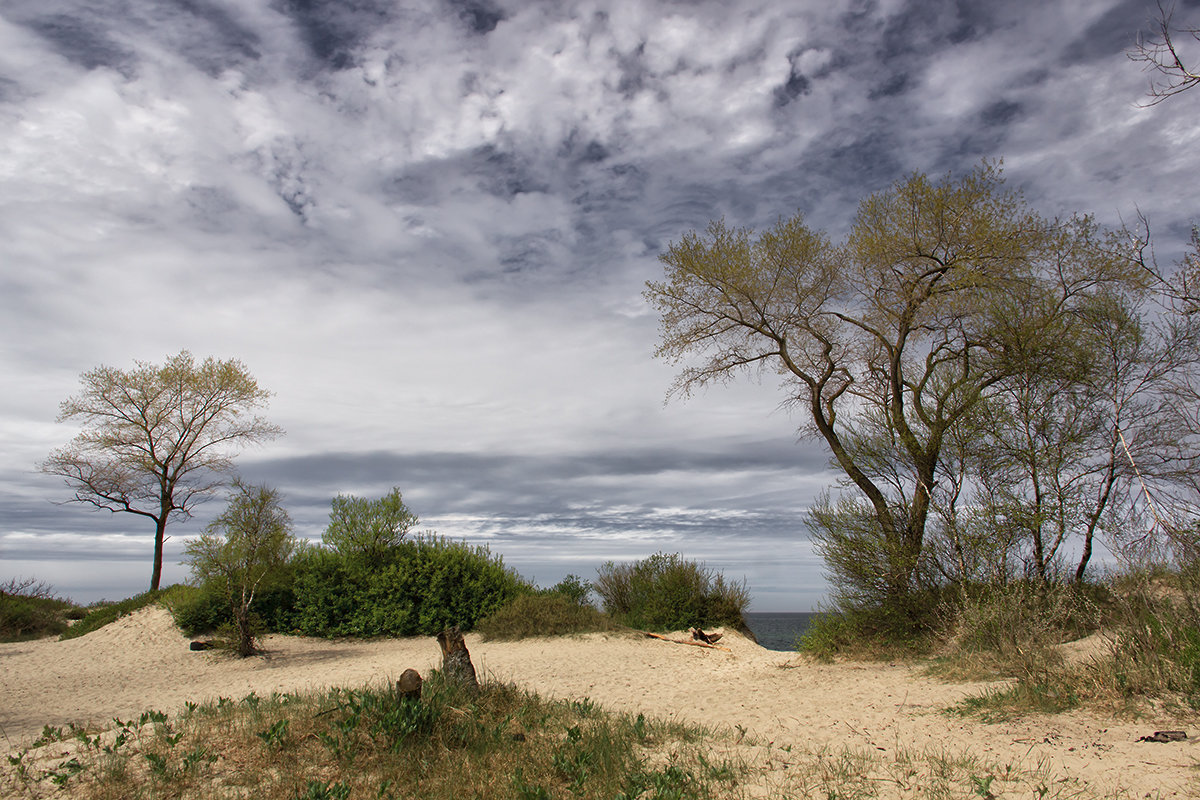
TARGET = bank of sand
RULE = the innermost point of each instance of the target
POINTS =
(884, 711)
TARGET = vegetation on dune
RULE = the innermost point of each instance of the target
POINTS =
(497, 742)
(29, 609)
(561, 609)
(494, 742)
(669, 593)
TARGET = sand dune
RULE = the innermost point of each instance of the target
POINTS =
(142, 662)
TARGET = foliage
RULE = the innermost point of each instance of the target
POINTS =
(574, 588)
(155, 438)
(543, 614)
(943, 298)
(421, 586)
(667, 593)
(369, 528)
(247, 543)
(29, 609)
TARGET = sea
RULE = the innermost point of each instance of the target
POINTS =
(779, 630)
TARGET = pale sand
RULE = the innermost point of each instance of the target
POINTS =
(142, 662)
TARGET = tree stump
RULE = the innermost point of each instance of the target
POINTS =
(456, 661)
(409, 685)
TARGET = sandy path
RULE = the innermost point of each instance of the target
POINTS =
(142, 662)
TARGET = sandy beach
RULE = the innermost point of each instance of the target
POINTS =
(886, 711)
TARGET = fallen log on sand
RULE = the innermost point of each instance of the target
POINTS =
(685, 641)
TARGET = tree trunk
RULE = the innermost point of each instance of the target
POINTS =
(160, 530)
(456, 661)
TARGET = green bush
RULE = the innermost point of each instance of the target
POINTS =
(29, 610)
(420, 587)
(199, 610)
(543, 614)
(666, 593)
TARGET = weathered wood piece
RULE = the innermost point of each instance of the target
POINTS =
(684, 641)
(200, 645)
(409, 685)
(456, 661)
(707, 638)
(1165, 736)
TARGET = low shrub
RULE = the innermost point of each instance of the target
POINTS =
(30, 610)
(543, 614)
(667, 593)
(199, 610)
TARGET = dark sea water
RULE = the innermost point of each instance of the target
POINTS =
(779, 631)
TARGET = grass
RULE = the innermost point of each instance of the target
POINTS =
(105, 613)
(29, 609)
(499, 742)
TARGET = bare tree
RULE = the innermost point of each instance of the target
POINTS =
(156, 439)
(1161, 54)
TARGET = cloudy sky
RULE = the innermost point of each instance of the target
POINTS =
(425, 225)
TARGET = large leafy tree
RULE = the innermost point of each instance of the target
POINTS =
(157, 439)
(888, 341)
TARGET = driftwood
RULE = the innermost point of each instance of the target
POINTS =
(409, 685)
(685, 641)
(1165, 736)
(200, 645)
(707, 638)
(456, 661)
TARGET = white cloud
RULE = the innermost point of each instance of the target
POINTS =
(428, 240)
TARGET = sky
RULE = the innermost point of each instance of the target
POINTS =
(426, 227)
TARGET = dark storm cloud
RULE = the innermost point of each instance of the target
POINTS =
(480, 16)
(333, 30)
(83, 41)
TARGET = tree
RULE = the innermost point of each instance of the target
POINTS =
(1161, 54)
(248, 542)
(156, 439)
(368, 527)
(890, 340)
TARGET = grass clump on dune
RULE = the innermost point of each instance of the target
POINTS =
(497, 742)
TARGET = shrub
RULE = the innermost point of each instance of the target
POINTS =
(422, 586)
(574, 588)
(543, 614)
(369, 528)
(29, 610)
(666, 593)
